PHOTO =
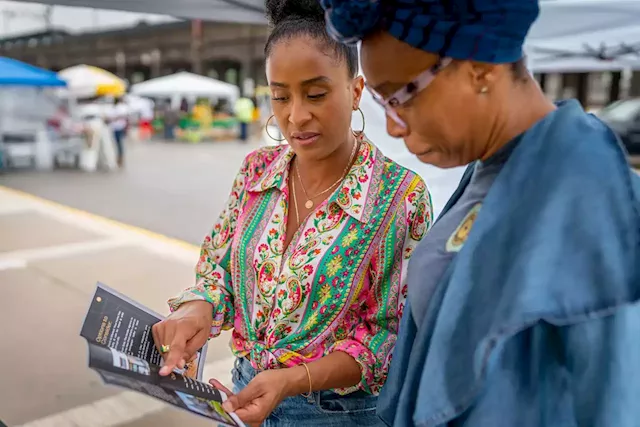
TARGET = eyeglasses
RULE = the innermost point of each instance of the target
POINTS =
(408, 91)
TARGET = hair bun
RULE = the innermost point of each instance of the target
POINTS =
(283, 10)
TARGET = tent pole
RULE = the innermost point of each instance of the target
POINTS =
(634, 89)
(583, 89)
(614, 87)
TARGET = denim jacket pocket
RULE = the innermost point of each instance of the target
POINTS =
(354, 403)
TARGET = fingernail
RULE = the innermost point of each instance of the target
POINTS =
(164, 371)
(182, 363)
(227, 407)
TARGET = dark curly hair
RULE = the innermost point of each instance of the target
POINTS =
(291, 18)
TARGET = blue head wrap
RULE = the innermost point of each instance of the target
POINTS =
(482, 30)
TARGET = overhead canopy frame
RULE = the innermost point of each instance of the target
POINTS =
(568, 35)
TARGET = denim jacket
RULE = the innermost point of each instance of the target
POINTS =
(535, 322)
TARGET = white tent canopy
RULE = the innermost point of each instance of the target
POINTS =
(585, 35)
(185, 84)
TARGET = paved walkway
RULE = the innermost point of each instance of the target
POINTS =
(175, 189)
(50, 259)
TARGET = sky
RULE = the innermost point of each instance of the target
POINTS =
(18, 18)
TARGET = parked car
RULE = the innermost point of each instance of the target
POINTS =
(624, 118)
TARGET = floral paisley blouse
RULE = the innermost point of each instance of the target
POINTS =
(339, 286)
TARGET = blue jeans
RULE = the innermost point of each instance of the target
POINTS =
(244, 131)
(323, 408)
(118, 136)
(169, 132)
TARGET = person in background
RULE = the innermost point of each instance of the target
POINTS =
(255, 118)
(523, 297)
(100, 149)
(118, 119)
(171, 120)
(307, 261)
(184, 106)
(244, 113)
(61, 124)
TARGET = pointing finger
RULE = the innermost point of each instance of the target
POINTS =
(175, 354)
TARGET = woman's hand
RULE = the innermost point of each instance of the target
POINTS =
(263, 394)
(185, 331)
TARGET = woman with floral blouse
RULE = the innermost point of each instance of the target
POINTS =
(306, 264)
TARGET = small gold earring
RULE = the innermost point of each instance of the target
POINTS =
(484, 89)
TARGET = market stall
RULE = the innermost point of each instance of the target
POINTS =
(25, 108)
(200, 94)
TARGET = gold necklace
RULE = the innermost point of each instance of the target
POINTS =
(295, 200)
(295, 204)
(309, 203)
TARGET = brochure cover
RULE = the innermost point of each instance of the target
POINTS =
(122, 351)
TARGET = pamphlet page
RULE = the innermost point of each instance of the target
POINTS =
(137, 374)
(117, 322)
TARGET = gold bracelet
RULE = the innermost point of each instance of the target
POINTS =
(309, 376)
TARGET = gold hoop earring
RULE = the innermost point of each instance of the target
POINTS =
(364, 123)
(266, 129)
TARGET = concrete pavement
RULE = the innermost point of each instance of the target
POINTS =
(50, 259)
(175, 189)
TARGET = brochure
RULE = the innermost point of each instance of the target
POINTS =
(122, 351)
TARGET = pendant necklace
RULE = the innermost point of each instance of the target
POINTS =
(309, 203)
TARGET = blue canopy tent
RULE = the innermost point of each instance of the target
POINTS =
(16, 73)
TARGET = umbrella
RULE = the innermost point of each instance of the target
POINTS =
(86, 81)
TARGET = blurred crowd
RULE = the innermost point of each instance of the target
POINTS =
(106, 125)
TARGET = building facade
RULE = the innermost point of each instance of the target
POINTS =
(593, 90)
(226, 51)
(232, 52)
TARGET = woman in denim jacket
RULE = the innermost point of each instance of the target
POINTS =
(522, 298)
